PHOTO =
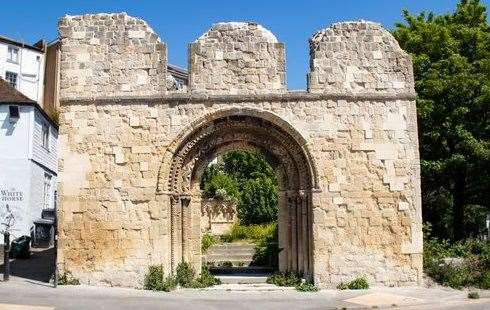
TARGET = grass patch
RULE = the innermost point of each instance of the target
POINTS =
(357, 284)
(253, 233)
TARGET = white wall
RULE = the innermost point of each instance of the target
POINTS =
(47, 157)
(14, 137)
(29, 69)
(15, 180)
(21, 142)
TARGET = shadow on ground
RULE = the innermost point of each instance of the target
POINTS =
(39, 267)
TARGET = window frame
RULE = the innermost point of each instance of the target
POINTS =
(8, 80)
(47, 190)
(45, 135)
(9, 54)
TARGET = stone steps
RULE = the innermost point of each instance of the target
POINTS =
(243, 278)
(238, 254)
(249, 287)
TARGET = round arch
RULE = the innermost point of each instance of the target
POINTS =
(240, 128)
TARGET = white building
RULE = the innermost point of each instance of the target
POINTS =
(28, 159)
(22, 65)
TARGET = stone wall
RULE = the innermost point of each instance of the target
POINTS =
(247, 56)
(110, 55)
(217, 216)
(358, 57)
(116, 152)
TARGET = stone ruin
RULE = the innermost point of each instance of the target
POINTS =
(132, 150)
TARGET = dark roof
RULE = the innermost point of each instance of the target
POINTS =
(178, 72)
(8, 94)
(38, 46)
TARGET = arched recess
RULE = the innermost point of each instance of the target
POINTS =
(240, 128)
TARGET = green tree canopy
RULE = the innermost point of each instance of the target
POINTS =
(247, 179)
(451, 57)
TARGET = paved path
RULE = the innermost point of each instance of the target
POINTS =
(20, 294)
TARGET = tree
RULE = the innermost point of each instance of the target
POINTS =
(248, 179)
(451, 57)
(258, 202)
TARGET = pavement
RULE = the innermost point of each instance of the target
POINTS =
(24, 294)
(29, 289)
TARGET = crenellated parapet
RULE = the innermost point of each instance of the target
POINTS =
(110, 55)
(237, 58)
(358, 57)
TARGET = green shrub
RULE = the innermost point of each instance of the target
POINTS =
(208, 241)
(307, 287)
(68, 279)
(473, 295)
(184, 275)
(473, 271)
(254, 233)
(226, 264)
(357, 284)
(156, 281)
(206, 279)
(287, 278)
(154, 278)
(485, 281)
(267, 250)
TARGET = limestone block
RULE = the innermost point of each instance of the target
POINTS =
(141, 149)
(108, 55)
(143, 166)
(237, 58)
(134, 121)
(358, 57)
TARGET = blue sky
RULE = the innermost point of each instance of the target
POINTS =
(180, 22)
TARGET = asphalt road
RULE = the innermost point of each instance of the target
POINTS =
(20, 295)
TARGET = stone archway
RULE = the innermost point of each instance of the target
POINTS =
(233, 129)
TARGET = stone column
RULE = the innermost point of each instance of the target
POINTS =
(299, 232)
(283, 231)
(304, 233)
(293, 258)
(185, 222)
(176, 231)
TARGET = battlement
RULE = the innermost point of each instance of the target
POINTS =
(115, 55)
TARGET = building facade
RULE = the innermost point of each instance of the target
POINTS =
(22, 66)
(28, 160)
(133, 149)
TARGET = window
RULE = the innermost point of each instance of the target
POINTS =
(47, 191)
(11, 78)
(13, 54)
(45, 136)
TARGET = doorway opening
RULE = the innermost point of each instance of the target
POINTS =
(255, 135)
(239, 233)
